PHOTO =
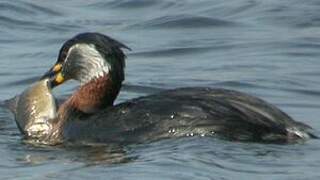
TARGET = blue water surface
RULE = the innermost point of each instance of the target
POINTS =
(268, 48)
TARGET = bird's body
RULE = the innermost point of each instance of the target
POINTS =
(187, 112)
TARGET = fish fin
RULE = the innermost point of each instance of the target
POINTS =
(11, 104)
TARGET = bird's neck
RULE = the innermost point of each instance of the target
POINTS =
(94, 95)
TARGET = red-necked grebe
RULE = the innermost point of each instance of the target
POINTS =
(98, 62)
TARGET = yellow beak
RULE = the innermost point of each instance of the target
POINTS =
(55, 75)
(59, 79)
(56, 68)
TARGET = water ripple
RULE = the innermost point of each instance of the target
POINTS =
(173, 51)
(127, 4)
(24, 8)
(185, 21)
(23, 81)
(10, 7)
(11, 23)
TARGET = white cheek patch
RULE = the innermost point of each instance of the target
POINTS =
(86, 63)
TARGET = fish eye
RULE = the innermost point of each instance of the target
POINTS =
(47, 81)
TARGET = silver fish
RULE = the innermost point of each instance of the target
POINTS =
(34, 109)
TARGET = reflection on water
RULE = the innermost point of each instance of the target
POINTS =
(266, 48)
(88, 155)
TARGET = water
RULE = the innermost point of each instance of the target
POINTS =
(268, 48)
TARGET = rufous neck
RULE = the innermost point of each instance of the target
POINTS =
(94, 95)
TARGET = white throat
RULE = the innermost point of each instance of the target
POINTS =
(85, 63)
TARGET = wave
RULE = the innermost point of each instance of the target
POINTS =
(185, 21)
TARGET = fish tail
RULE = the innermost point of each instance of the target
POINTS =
(11, 104)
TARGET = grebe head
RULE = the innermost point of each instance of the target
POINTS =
(88, 56)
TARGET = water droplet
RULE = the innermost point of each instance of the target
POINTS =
(172, 131)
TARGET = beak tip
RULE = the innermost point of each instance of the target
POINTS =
(54, 75)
